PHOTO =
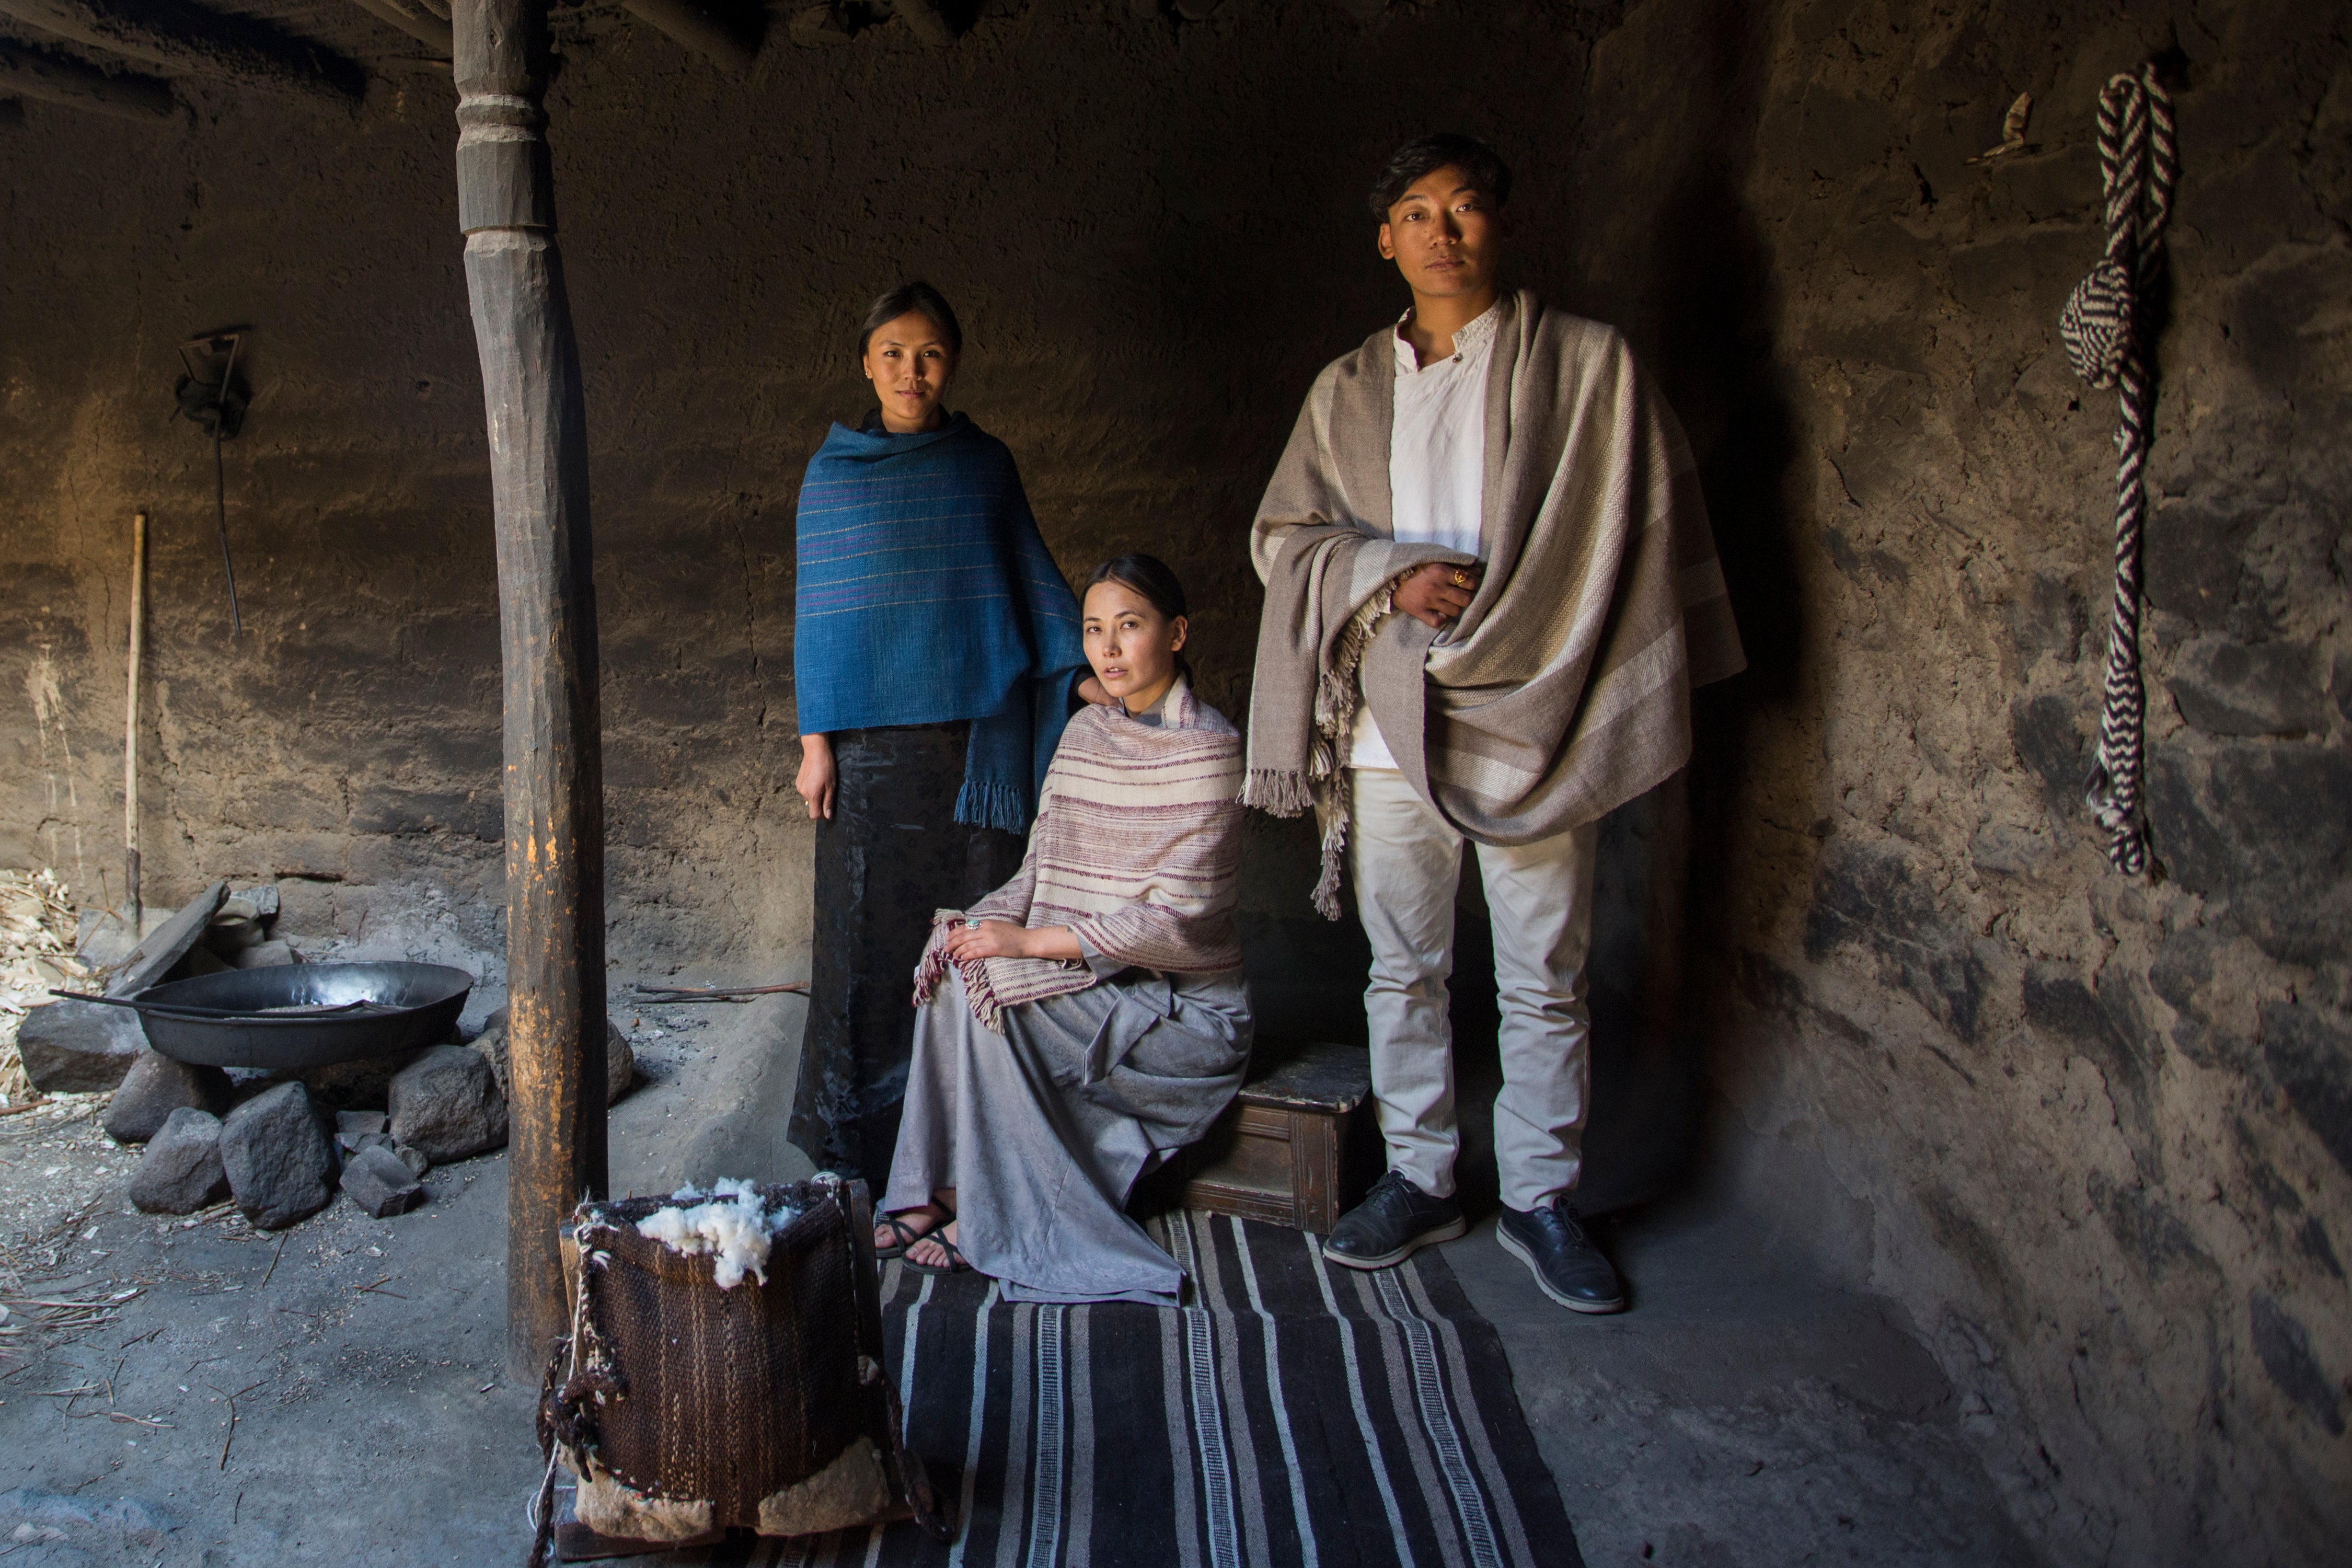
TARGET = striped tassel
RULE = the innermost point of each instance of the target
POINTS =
(2103, 328)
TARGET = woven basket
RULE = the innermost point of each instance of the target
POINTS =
(684, 1408)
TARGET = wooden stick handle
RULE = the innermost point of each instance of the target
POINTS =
(130, 720)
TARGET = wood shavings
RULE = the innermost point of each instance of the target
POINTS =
(36, 952)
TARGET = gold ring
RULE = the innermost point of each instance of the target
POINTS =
(1461, 578)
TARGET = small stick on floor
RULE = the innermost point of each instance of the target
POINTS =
(273, 1261)
(231, 1436)
(671, 993)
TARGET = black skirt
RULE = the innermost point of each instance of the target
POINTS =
(891, 854)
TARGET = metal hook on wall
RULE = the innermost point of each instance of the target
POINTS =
(216, 404)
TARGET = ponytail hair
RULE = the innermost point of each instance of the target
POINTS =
(1149, 579)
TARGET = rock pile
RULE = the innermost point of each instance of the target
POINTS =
(281, 1145)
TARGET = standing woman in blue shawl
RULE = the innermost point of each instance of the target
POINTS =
(936, 655)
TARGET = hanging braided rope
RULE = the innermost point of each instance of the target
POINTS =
(2102, 327)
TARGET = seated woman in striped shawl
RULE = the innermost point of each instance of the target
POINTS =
(1089, 1018)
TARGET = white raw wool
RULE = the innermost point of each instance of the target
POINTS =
(734, 1223)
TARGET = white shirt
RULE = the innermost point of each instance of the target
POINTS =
(1437, 468)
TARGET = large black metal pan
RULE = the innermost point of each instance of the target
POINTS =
(406, 1005)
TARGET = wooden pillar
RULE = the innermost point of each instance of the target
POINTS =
(547, 621)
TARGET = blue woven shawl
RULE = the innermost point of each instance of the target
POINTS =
(925, 596)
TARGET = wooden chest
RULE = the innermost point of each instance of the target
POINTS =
(1297, 1146)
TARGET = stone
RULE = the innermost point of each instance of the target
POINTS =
(447, 1103)
(199, 961)
(2050, 738)
(362, 1085)
(1876, 896)
(103, 939)
(281, 1163)
(267, 955)
(2267, 826)
(2008, 851)
(78, 1047)
(351, 1126)
(2050, 617)
(2195, 554)
(168, 943)
(182, 1169)
(155, 1087)
(412, 1158)
(2285, 1346)
(2226, 688)
(381, 1183)
(620, 1056)
(2308, 1049)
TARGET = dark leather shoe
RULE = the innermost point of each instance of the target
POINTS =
(1394, 1219)
(1552, 1242)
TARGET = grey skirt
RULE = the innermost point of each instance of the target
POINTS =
(1043, 1131)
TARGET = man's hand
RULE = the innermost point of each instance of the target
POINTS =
(1435, 593)
(817, 782)
(1091, 690)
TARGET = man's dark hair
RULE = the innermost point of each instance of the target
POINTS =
(1480, 165)
(917, 296)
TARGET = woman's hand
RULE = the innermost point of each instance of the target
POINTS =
(970, 939)
(817, 782)
(1437, 593)
(1091, 690)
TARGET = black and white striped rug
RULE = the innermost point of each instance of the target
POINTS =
(1294, 1413)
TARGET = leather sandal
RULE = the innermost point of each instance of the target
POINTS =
(956, 1262)
(904, 1236)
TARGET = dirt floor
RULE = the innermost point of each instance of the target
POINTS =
(333, 1392)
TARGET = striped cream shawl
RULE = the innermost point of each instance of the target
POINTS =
(1137, 847)
(1564, 690)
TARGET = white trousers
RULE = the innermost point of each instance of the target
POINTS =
(1407, 862)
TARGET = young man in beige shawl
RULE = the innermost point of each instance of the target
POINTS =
(1490, 589)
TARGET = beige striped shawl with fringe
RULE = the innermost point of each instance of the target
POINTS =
(1564, 689)
(1137, 847)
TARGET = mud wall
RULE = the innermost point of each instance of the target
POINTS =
(2097, 1134)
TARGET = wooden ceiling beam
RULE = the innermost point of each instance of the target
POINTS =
(694, 28)
(925, 21)
(414, 20)
(28, 73)
(181, 39)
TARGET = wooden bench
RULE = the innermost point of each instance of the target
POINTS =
(1297, 1146)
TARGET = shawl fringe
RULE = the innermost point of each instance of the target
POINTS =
(992, 802)
(1279, 791)
(1023, 979)
(1338, 695)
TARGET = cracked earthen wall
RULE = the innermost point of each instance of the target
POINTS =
(2096, 1135)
